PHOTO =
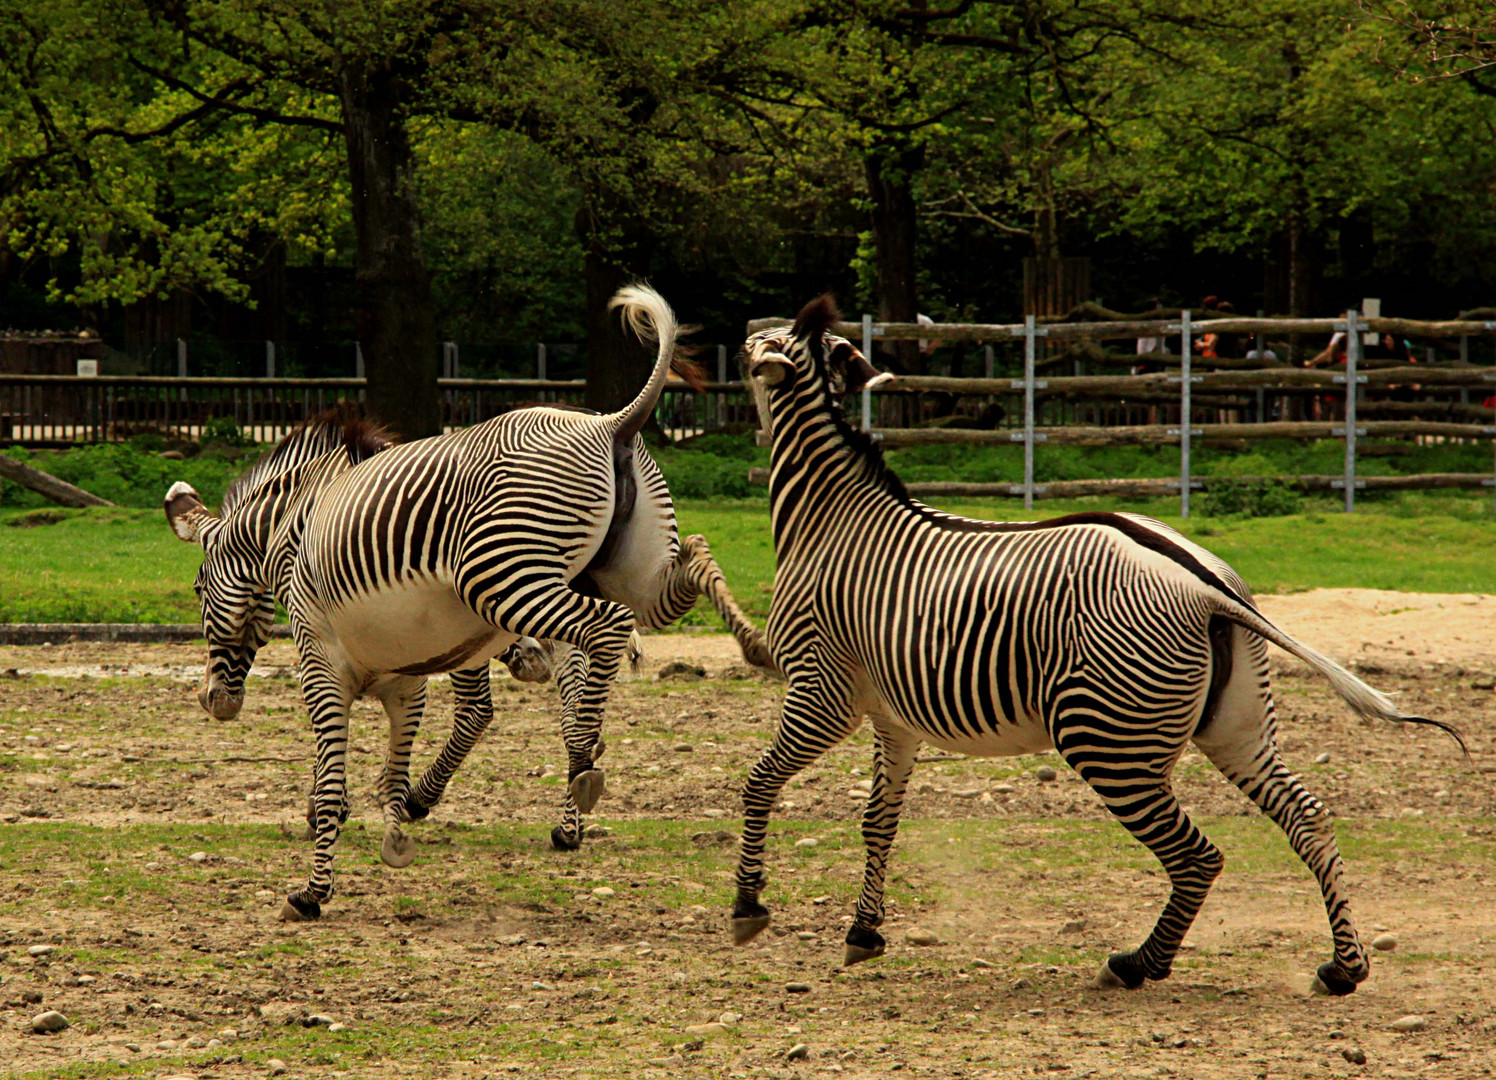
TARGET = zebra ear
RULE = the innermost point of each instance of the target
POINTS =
(857, 373)
(185, 513)
(771, 368)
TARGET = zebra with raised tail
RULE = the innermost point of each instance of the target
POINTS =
(1110, 637)
(437, 555)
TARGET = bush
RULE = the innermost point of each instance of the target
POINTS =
(1249, 496)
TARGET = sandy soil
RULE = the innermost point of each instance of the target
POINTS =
(492, 955)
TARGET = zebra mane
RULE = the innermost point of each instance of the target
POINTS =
(359, 437)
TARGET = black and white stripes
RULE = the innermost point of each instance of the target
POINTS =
(1108, 636)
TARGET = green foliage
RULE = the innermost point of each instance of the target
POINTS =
(223, 430)
(1248, 496)
(126, 474)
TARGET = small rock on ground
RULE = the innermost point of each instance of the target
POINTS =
(798, 1052)
(1410, 1023)
(40, 950)
(980, 963)
(714, 1027)
(918, 936)
(797, 988)
(730, 1018)
(602, 892)
(678, 669)
(1354, 1054)
(276, 1066)
(48, 1022)
(807, 841)
(1384, 942)
(1046, 773)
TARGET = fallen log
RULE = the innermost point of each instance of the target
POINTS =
(59, 491)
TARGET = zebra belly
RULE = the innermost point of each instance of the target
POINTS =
(988, 736)
(414, 628)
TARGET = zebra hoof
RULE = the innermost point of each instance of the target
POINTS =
(1119, 973)
(398, 850)
(746, 929)
(296, 910)
(863, 943)
(1330, 981)
(414, 811)
(586, 788)
(562, 840)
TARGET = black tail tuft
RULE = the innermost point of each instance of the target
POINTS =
(816, 318)
(1448, 729)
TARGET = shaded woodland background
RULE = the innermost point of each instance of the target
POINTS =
(489, 171)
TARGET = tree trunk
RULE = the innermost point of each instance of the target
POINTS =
(617, 249)
(397, 316)
(891, 170)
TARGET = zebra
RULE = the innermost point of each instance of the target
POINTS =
(1107, 636)
(540, 523)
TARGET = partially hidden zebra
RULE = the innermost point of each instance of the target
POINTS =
(248, 549)
(439, 554)
(1110, 637)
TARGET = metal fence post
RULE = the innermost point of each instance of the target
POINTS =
(1028, 384)
(540, 360)
(722, 363)
(269, 359)
(358, 366)
(867, 393)
(1186, 352)
(1353, 328)
(987, 367)
(182, 365)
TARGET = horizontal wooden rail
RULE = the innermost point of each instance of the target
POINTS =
(1448, 376)
(1154, 434)
(1068, 489)
(1141, 328)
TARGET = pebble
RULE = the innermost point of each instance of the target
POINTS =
(602, 892)
(1384, 942)
(167, 1044)
(134, 1048)
(969, 793)
(918, 936)
(48, 1022)
(1323, 759)
(31, 997)
(512, 940)
(197, 1042)
(798, 1052)
(1354, 1054)
(677, 669)
(808, 841)
(41, 950)
(820, 900)
(806, 935)
(1074, 926)
(198, 856)
(683, 748)
(86, 980)
(1410, 1023)
(714, 1027)
(537, 985)
(317, 1021)
(335, 1028)
(730, 1018)
(276, 1066)
(1004, 789)
(1046, 773)
(797, 988)
(1022, 984)
(980, 963)
(228, 1034)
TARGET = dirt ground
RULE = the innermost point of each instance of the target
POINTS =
(150, 848)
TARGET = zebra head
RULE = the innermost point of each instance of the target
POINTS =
(237, 611)
(806, 360)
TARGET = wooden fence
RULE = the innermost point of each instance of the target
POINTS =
(62, 410)
(1250, 400)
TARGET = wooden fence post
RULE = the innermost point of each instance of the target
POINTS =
(867, 393)
(1185, 430)
(1028, 385)
(1353, 328)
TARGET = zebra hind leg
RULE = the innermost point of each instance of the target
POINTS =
(893, 762)
(1240, 742)
(816, 717)
(1154, 817)
(586, 785)
(404, 701)
(472, 712)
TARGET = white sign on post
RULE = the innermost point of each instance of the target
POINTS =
(88, 369)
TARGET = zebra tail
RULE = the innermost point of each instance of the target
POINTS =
(1363, 699)
(650, 318)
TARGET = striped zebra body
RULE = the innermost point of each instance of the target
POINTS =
(1107, 636)
(438, 555)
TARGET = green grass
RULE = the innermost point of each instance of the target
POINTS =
(126, 566)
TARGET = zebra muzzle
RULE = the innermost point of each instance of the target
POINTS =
(221, 703)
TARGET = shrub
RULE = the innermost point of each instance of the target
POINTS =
(1249, 496)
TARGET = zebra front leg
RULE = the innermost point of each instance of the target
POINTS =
(472, 712)
(404, 700)
(815, 718)
(328, 693)
(587, 785)
(893, 761)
